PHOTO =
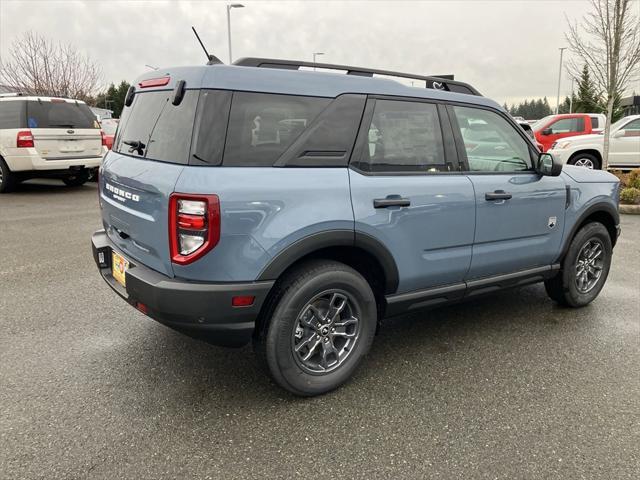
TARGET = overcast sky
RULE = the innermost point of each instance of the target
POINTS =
(507, 49)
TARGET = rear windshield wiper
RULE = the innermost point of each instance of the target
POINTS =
(136, 146)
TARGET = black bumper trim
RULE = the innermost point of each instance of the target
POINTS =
(200, 310)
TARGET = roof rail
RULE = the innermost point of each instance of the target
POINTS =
(12, 94)
(436, 82)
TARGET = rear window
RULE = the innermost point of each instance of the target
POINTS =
(595, 122)
(61, 114)
(12, 114)
(152, 127)
(262, 126)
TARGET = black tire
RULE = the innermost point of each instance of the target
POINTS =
(76, 179)
(318, 281)
(585, 160)
(566, 287)
(8, 180)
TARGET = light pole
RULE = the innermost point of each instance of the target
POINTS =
(562, 49)
(229, 7)
(316, 54)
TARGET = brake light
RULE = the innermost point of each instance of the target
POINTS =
(104, 138)
(154, 82)
(194, 226)
(24, 139)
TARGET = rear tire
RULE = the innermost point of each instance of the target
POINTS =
(322, 322)
(8, 180)
(585, 160)
(585, 267)
(76, 179)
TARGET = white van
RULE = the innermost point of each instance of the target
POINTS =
(47, 137)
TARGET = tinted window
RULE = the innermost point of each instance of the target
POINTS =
(158, 129)
(491, 143)
(59, 114)
(595, 122)
(567, 125)
(262, 126)
(211, 121)
(404, 137)
(12, 114)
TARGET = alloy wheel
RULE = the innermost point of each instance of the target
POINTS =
(585, 162)
(589, 265)
(325, 332)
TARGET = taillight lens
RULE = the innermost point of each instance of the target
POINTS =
(24, 139)
(194, 226)
(104, 138)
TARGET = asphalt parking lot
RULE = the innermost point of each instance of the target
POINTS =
(509, 386)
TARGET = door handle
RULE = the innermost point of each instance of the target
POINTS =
(391, 201)
(497, 195)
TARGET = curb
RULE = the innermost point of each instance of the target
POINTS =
(630, 209)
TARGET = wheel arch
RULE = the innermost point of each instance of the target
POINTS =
(604, 213)
(589, 151)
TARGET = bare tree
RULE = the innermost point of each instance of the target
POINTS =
(608, 41)
(38, 66)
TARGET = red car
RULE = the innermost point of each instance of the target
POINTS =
(109, 126)
(552, 128)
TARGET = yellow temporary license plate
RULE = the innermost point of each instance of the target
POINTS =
(119, 266)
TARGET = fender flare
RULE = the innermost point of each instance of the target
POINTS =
(328, 239)
(596, 208)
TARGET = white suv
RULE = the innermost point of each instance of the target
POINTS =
(47, 137)
(586, 150)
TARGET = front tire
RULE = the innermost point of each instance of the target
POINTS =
(322, 325)
(8, 179)
(585, 267)
(585, 160)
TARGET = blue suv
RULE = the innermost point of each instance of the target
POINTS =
(266, 202)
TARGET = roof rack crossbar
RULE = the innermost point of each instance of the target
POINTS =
(437, 82)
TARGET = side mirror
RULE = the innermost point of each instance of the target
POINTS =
(547, 165)
(619, 133)
(547, 131)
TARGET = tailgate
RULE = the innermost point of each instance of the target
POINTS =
(67, 143)
(134, 198)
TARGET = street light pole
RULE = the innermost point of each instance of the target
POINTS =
(562, 49)
(229, 7)
(314, 57)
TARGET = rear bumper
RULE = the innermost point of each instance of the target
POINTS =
(33, 161)
(200, 310)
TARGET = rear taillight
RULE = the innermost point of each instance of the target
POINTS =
(194, 226)
(104, 138)
(24, 139)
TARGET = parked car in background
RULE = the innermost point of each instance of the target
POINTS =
(288, 208)
(554, 127)
(586, 150)
(47, 137)
(109, 126)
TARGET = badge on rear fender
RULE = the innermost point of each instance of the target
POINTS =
(552, 222)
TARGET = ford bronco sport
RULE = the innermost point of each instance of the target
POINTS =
(47, 137)
(295, 209)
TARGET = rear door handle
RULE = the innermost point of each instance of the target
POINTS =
(497, 195)
(391, 201)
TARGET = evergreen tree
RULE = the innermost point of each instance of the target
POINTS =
(588, 99)
(113, 98)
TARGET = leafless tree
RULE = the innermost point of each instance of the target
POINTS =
(39, 66)
(608, 41)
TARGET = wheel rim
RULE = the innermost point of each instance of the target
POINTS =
(1, 176)
(584, 162)
(589, 265)
(325, 332)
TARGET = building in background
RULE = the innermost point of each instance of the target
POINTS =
(630, 105)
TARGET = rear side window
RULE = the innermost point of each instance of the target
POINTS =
(59, 114)
(262, 126)
(404, 137)
(152, 127)
(12, 114)
(595, 122)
